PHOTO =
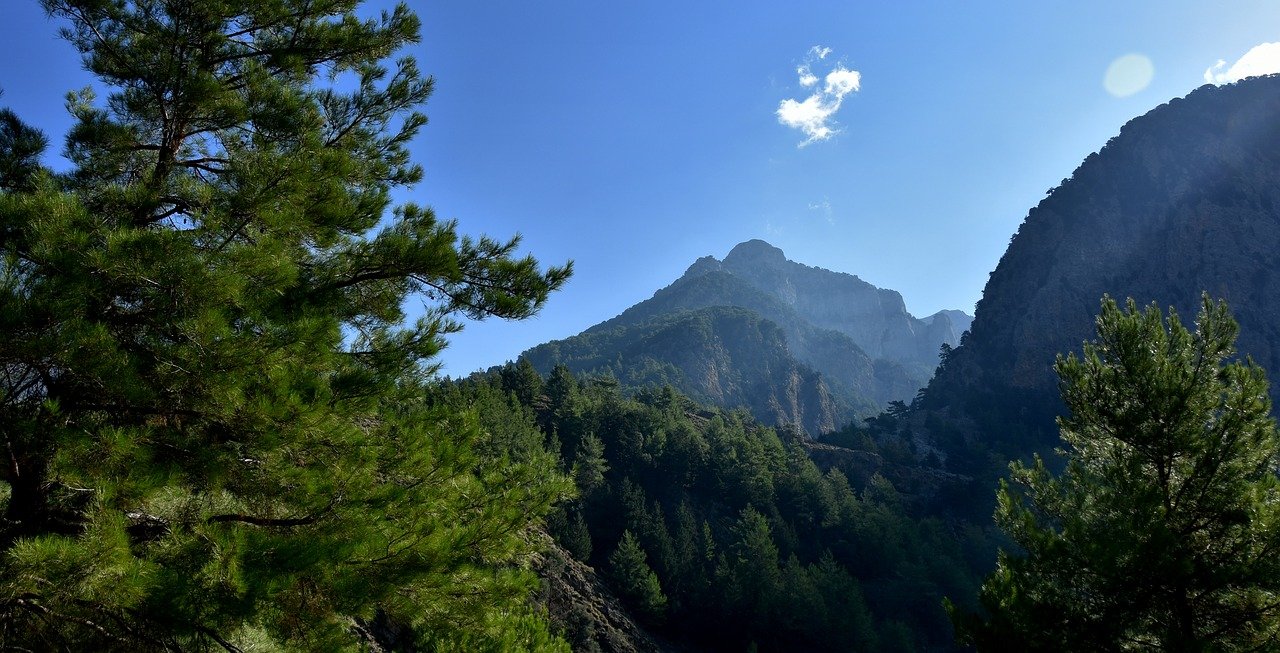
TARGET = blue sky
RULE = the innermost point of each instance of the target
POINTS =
(634, 137)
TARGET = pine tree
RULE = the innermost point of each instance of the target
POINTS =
(751, 574)
(574, 535)
(1162, 531)
(522, 380)
(563, 415)
(590, 465)
(20, 149)
(212, 408)
(634, 580)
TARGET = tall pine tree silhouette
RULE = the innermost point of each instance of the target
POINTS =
(210, 397)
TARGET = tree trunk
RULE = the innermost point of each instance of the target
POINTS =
(28, 510)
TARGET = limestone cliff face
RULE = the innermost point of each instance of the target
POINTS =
(1186, 199)
(949, 325)
(795, 348)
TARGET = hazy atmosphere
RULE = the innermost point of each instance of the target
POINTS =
(635, 138)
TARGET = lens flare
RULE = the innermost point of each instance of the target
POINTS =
(1128, 75)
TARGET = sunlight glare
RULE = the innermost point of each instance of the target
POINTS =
(1128, 75)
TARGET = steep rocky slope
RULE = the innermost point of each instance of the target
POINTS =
(582, 607)
(960, 321)
(1186, 199)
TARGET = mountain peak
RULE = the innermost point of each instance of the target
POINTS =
(702, 266)
(756, 251)
(799, 344)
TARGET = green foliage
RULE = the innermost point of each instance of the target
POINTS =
(523, 381)
(520, 631)
(20, 149)
(570, 530)
(749, 573)
(750, 543)
(590, 464)
(720, 355)
(213, 411)
(1161, 532)
(635, 581)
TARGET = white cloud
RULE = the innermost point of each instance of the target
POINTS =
(1262, 59)
(805, 70)
(823, 208)
(842, 81)
(813, 115)
(809, 116)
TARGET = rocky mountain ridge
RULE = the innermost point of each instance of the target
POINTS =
(875, 318)
(789, 341)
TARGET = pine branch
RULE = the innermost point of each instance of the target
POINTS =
(29, 602)
(274, 523)
(228, 646)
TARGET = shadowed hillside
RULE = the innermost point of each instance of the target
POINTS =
(1186, 199)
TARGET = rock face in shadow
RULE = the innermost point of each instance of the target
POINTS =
(1185, 200)
(790, 342)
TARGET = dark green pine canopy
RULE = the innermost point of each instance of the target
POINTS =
(1162, 531)
(211, 402)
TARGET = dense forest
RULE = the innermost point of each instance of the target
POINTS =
(722, 532)
(1156, 522)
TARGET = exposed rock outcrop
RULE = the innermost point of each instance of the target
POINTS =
(582, 607)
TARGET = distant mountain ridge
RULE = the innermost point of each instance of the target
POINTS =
(960, 321)
(793, 343)
(875, 318)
